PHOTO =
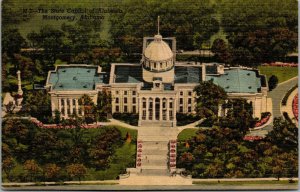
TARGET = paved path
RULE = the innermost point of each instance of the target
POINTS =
(277, 95)
(279, 92)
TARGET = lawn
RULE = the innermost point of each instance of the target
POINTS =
(186, 134)
(283, 73)
(123, 158)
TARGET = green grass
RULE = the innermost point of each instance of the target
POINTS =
(186, 134)
(243, 182)
(122, 158)
(283, 73)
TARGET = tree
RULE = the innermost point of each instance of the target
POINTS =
(284, 134)
(32, 169)
(51, 171)
(12, 42)
(76, 170)
(209, 97)
(37, 103)
(104, 104)
(273, 81)
(88, 107)
(7, 165)
(221, 50)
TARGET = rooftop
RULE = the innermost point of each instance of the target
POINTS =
(188, 74)
(237, 81)
(76, 78)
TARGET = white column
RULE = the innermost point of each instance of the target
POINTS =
(140, 105)
(20, 91)
(65, 108)
(59, 105)
(160, 109)
(147, 108)
(76, 106)
(174, 110)
(71, 106)
(153, 112)
(168, 105)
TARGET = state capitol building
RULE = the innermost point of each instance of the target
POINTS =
(156, 88)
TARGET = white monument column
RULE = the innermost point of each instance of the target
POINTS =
(20, 91)
(140, 105)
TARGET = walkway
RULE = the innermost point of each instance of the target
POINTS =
(277, 95)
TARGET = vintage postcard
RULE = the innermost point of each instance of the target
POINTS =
(149, 95)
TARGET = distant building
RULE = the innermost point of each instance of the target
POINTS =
(156, 88)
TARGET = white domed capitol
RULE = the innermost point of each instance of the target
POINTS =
(157, 88)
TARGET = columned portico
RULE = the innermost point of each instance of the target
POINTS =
(157, 109)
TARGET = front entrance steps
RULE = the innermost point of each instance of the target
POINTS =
(145, 123)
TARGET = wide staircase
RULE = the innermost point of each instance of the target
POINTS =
(155, 159)
(152, 158)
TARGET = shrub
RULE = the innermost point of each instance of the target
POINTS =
(284, 100)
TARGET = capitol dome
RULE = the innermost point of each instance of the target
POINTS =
(158, 56)
(158, 50)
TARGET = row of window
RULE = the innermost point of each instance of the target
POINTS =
(125, 99)
(125, 92)
(190, 93)
(125, 109)
(181, 101)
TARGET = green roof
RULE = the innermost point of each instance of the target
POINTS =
(76, 78)
(237, 81)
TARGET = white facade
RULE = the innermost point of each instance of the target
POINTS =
(157, 88)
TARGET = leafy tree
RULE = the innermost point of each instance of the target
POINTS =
(221, 51)
(7, 165)
(88, 107)
(76, 170)
(37, 103)
(104, 104)
(284, 134)
(209, 97)
(32, 168)
(239, 115)
(12, 42)
(273, 81)
(51, 171)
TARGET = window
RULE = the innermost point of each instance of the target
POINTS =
(133, 100)
(181, 109)
(171, 105)
(74, 102)
(62, 102)
(181, 101)
(125, 109)
(133, 92)
(117, 109)
(125, 92)
(189, 101)
(189, 109)
(117, 100)
(125, 99)
(117, 92)
(134, 109)
(190, 93)
(144, 104)
(181, 93)
(144, 114)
